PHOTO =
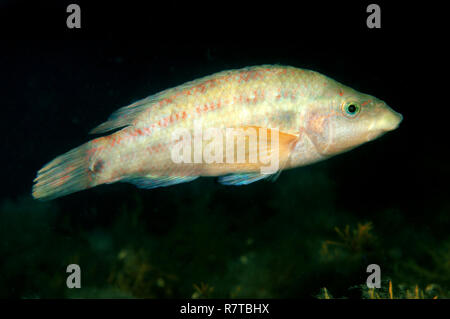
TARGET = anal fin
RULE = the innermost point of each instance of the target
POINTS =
(154, 181)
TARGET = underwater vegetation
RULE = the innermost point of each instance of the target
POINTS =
(356, 241)
(403, 292)
(360, 241)
(431, 291)
(204, 240)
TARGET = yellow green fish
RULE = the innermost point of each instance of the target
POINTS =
(301, 116)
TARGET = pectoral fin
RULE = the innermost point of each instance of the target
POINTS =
(275, 141)
(283, 145)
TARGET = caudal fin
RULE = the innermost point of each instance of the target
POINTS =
(65, 174)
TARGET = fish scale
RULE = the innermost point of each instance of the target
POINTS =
(303, 105)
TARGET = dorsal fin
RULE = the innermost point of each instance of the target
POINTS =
(127, 114)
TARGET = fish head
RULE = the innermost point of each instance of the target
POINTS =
(348, 120)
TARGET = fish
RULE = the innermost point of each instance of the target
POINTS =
(292, 115)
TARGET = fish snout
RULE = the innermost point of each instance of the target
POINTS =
(389, 120)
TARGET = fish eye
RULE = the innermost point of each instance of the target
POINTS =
(351, 109)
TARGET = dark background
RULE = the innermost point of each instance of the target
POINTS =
(58, 83)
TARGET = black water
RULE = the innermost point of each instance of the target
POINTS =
(263, 240)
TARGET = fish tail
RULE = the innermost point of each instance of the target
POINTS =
(66, 174)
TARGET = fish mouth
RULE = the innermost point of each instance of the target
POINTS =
(389, 121)
(393, 121)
